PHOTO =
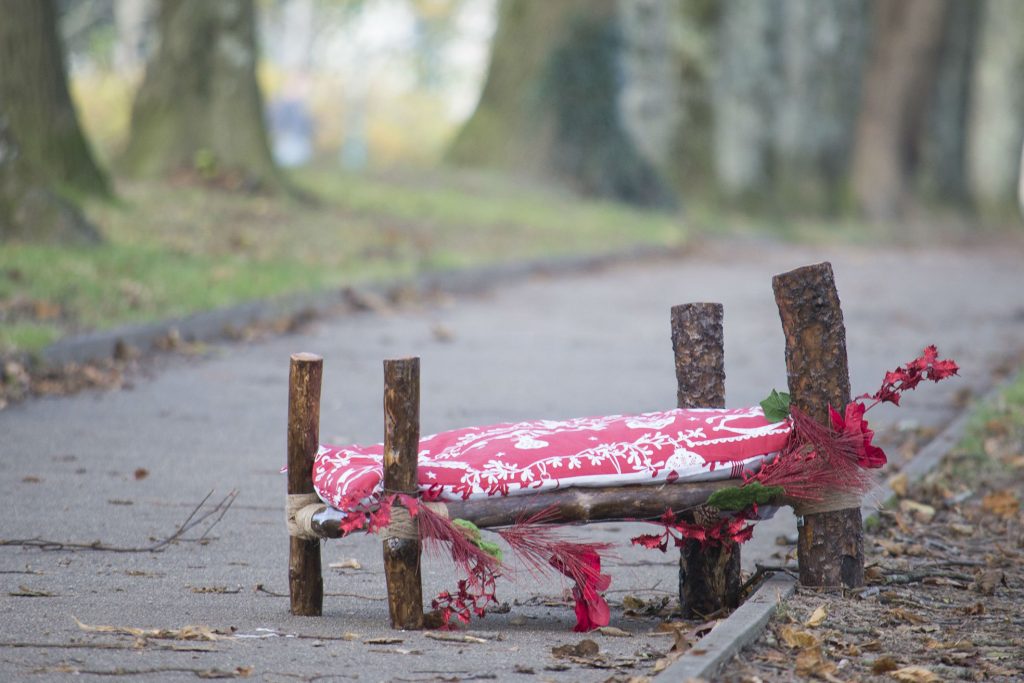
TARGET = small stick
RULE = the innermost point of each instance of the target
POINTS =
(192, 521)
(830, 547)
(633, 503)
(305, 580)
(709, 577)
(401, 452)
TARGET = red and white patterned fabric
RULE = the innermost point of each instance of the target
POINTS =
(532, 457)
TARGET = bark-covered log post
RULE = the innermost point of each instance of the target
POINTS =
(401, 451)
(709, 577)
(830, 548)
(305, 580)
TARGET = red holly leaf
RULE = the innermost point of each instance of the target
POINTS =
(410, 503)
(652, 541)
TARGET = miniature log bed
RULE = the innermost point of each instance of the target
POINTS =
(705, 472)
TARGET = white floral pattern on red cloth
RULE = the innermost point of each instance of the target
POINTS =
(532, 457)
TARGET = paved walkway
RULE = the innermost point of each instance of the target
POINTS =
(553, 348)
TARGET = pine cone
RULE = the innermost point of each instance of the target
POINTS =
(706, 515)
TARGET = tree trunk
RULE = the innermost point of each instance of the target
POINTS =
(943, 171)
(199, 108)
(896, 91)
(786, 71)
(745, 78)
(997, 105)
(34, 97)
(554, 103)
(29, 210)
(823, 52)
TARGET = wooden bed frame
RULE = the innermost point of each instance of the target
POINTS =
(830, 545)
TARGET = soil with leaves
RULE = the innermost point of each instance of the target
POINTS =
(944, 599)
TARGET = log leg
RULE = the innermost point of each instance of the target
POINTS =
(830, 548)
(709, 578)
(401, 452)
(305, 580)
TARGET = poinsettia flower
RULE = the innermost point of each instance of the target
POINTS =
(854, 424)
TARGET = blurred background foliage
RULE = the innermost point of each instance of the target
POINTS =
(213, 152)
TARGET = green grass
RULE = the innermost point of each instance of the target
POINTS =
(995, 433)
(176, 249)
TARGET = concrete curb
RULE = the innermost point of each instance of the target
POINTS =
(731, 635)
(926, 460)
(221, 323)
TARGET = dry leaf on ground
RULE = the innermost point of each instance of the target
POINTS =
(191, 632)
(1003, 503)
(351, 563)
(915, 674)
(817, 616)
(796, 638)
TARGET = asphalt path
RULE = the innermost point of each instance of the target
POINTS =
(71, 469)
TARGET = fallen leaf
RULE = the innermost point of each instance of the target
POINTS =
(795, 638)
(46, 310)
(1002, 503)
(898, 484)
(614, 632)
(914, 674)
(442, 333)
(26, 592)
(451, 637)
(351, 563)
(884, 665)
(773, 656)
(191, 632)
(584, 648)
(633, 602)
(920, 511)
(141, 473)
(989, 580)
(892, 547)
(906, 615)
(932, 644)
(811, 663)
(976, 608)
(817, 616)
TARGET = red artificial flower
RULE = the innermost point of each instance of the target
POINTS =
(854, 424)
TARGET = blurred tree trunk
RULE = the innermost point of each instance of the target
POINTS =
(943, 168)
(34, 97)
(747, 75)
(553, 99)
(132, 19)
(996, 125)
(29, 210)
(786, 72)
(896, 91)
(199, 108)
